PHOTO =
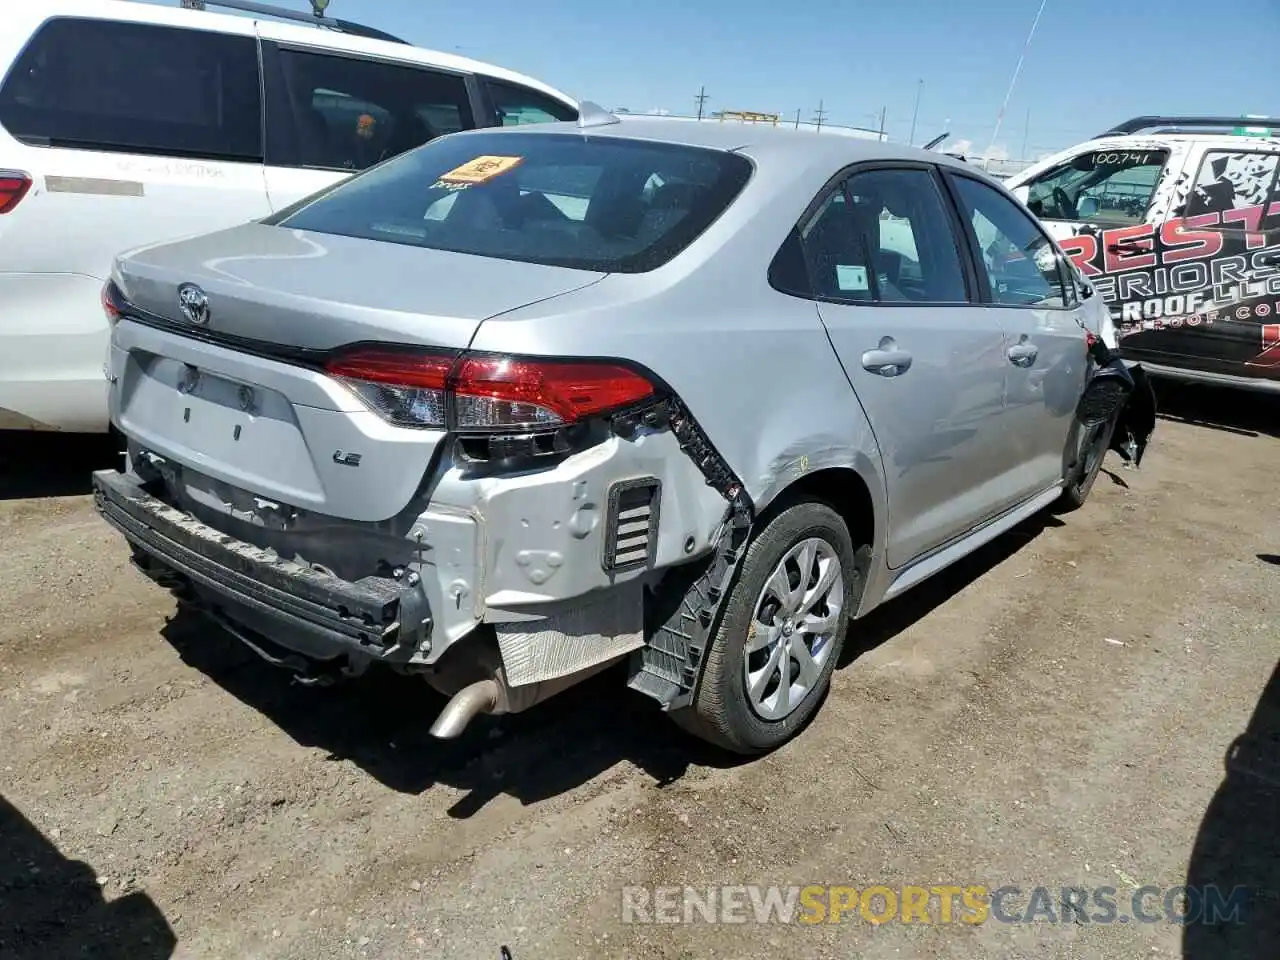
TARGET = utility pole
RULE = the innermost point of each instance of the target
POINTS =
(882, 112)
(818, 116)
(915, 113)
(797, 118)
(701, 99)
(1026, 132)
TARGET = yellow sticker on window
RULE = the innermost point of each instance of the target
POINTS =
(481, 169)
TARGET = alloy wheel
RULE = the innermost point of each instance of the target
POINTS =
(793, 628)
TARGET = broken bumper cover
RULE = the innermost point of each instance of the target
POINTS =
(316, 614)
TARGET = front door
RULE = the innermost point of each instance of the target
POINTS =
(926, 361)
(1029, 286)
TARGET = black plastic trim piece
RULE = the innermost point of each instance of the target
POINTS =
(669, 665)
(617, 491)
(1135, 124)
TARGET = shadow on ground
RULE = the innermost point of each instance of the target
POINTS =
(1238, 846)
(1241, 412)
(380, 721)
(51, 906)
(51, 464)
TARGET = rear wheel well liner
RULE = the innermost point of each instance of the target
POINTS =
(841, 488)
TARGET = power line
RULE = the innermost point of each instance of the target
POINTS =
(1014, 79)
(914, 114)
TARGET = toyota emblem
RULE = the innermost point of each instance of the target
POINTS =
(194, 303)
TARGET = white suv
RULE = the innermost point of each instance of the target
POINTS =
(1175, 221)
(124, 124)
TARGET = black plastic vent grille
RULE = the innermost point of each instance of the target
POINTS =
(631, 530)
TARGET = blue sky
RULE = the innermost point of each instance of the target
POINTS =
(1091, 62)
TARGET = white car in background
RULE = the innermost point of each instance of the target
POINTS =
(124, 124)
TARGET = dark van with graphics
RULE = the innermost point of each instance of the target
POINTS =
(1176, 223)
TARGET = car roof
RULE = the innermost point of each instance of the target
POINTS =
(135, 11)
(804, 148)
(1231, 143)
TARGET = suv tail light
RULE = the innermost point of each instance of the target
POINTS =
(13, 187)
(485, 393)
(112, 302)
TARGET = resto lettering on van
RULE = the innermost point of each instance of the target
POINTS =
(1181, 239)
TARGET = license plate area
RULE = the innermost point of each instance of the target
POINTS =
(248, 433)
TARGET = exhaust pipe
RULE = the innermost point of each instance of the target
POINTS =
(464, 706)
(495, 695)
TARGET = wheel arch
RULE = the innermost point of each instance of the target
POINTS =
(844, 489)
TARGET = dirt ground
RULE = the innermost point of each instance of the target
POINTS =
(1056, 712)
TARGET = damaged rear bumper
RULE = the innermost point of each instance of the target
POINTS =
(315, 614)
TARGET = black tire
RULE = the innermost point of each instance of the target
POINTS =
(721, 712)
(1080, 481)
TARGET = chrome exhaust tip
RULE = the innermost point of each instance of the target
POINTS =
(463, 707)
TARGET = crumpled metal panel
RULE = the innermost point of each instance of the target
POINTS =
(581, 637)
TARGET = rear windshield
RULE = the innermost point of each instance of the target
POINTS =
(592, 203)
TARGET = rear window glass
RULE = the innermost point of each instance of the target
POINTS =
(591, 203)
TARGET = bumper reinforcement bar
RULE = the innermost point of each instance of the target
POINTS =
(325, 615)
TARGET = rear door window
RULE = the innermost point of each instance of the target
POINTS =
(908, 234)
(590, 203)
(1234, 180)
(1107, 187)
(136, 88)
(885, 237)
(334, 112)
(514, 105)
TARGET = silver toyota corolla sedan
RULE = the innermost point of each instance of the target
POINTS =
(520, 404)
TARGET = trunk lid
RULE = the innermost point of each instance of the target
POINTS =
(238, 398)
(319, 291)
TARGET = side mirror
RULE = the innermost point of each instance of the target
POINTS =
(1023, 193)
(1088, 207)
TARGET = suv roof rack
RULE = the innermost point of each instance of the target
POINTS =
(1186, 124)
(317, 19)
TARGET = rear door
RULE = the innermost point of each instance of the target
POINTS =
(332, 113)
(132, 133)
(511, 104)
(1231, 218)
(1026, 282)
(898, 299)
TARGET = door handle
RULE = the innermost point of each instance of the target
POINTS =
(1023, 354)
(1129, 249)
(887, 360)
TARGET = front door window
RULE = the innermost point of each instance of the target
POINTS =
(1106, 187)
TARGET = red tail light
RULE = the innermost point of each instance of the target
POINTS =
(111, 302)
(487, 393)
(407, 389)
(13, 187)
(503, 393)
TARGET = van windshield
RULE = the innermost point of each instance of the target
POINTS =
(606, 204)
